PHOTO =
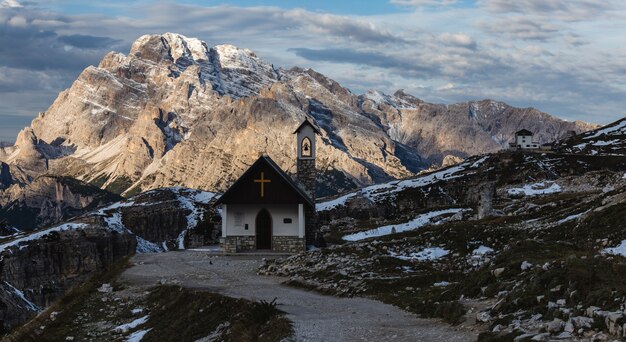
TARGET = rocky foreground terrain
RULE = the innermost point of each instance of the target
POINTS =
(174, 112)
(38, 268)
(526, 246)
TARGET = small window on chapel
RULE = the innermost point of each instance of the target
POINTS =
(306, 147)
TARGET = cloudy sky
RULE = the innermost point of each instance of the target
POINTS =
(567, 58)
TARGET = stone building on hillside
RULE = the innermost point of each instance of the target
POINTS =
(524, 139)
(265, 209)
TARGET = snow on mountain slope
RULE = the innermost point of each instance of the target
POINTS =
(387, 191)
(607, 140)
(418, 222)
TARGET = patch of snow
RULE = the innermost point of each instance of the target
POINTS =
(204, 197)
(624, 176)
(40, 234)
(145, 246)
(136, 311)
(379, 191)
(479, 162)
(482, 250)
(332, 204)
(441, 284)
(618, 250)
(606, 143)
(137, 335)
(526, 265)
(536, 189)
(29, 305)
(378, 98)
(196, 214)
(619, 128)
(572, 217)
(375, 191)
(124, 328)
(114, 222)
(427, 254)
(418, 222)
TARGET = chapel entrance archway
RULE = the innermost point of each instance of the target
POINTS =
(263, 230)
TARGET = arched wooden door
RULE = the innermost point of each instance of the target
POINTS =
(263, 230)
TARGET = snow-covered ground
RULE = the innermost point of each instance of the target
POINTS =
(482, 250)
(29, 305)
(572, 217)
(39, 234)
(137, 335)
(337, 202)
(187, 201)
(618, 129)
(541, 188)
(132, 325)
(187, 198)
(419, 221)
(618, 250)
(427, 254)
(378, 192)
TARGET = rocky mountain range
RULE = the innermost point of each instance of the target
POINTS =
(176, 112)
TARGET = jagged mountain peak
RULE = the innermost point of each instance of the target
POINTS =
(164, 115)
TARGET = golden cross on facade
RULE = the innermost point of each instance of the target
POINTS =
(262, 181)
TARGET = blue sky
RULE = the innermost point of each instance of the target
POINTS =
(346, 7)
(566, 58)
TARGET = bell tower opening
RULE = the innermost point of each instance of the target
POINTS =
(307, 149)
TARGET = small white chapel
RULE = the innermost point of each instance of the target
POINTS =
(265, 209)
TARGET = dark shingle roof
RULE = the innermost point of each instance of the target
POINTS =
(307, 121)
(524, 132)
(268, 161)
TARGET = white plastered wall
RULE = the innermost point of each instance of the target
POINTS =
(238, 215)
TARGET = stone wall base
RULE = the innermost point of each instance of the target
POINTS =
(234, 244)
(289, 244)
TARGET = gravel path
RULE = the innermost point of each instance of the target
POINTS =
(316, 317)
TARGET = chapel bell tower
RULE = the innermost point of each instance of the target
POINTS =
(306, 149)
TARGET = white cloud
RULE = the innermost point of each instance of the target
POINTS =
(18, 21)
(557, 9)
(10, 4)
(458, 39)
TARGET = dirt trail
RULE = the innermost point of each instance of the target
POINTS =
(316, 317)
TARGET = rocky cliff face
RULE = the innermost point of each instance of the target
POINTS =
(176, 112)
(37, 269)
(48, 200)
(164, 219)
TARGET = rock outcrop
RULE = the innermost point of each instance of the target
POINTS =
(41, 268)
(48, 200)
